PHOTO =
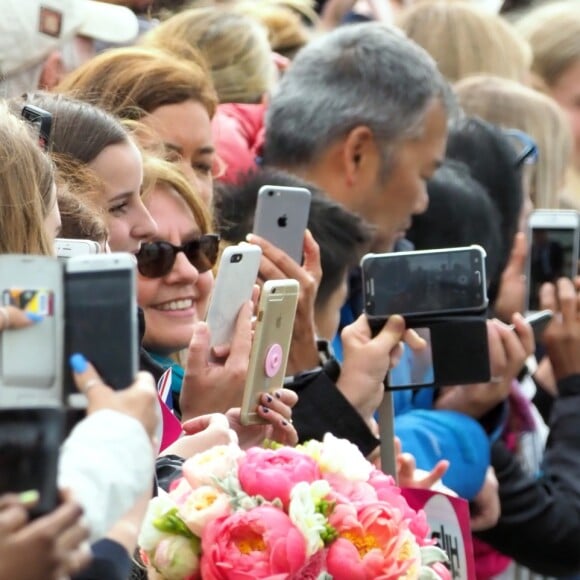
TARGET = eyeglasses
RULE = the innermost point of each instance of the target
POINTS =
(156, 259)
(526, 147)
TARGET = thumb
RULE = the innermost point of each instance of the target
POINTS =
(198, 350)
(517, 260)
(312, 256)
(392, 332)
(201, 423)
(87, 379)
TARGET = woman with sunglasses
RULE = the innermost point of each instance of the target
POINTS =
(174, 285)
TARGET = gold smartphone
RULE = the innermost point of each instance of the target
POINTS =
(272, 338)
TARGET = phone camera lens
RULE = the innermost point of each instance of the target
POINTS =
(274, 290)
(236, 258)
(270, 194)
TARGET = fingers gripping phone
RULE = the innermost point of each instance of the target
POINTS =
(271, 345)
(539, 322)
(30, 369)
(101, 319)
(282, 217)
(426, 283)
(554, 237)
(236, 276)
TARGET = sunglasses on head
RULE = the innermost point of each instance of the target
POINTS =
(156, 259)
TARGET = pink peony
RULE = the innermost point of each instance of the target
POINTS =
(346, 491)
(273, 473)
(441, 570)
(260, 543)
(373, 543)
(388, 491)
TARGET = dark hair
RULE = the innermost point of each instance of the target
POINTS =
(460, 213)
(79, 130)
(491, 159)
(342, 236)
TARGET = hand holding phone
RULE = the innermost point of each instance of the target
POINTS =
(272, 338)
(538, 321)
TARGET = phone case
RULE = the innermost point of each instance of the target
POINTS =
(66, 248)
(372, 284)
(272, 338)
(234, 283)
(282, 217)
(559, 221)
(30, 368)
(101, 319)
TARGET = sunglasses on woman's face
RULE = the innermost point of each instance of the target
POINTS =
(156, 259)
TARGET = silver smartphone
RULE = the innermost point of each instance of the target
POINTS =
(234, 283)
(30, 367)
(425, 283)
(282, 217)
(554, 239)
(67, 248)
(101, 319)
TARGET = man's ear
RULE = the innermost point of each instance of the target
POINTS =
(358, 147)
(53, 71)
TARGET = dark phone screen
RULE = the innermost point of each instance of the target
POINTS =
(551, 257)
(101, 324)
(421, 283)
(30, 440)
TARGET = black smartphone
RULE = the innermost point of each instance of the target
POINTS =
(101, 319)
(30, 440)
(424, 284)
(42, 121)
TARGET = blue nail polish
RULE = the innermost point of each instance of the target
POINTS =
(78, 363)
(34, 317)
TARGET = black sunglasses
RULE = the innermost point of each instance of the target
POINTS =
(155, 259)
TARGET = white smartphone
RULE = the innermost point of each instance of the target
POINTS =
(282, 217)
(30, 358)
(101, 319)
(554, 239)
(67, 248)
(237, 273)
(271, 345)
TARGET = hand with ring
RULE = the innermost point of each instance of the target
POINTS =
(138, 400)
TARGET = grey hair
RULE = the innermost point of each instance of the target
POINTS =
(359, 75)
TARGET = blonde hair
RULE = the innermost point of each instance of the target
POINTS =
(512, 105)
(159, 172)
(234, 45)
(134, 81)
(26, 189)
(553, 32)
(287, 33)
(465, 40)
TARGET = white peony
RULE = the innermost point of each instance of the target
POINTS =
(302, 511)
(216, 463)
(343, 458)
(203, 505)
(150, 536)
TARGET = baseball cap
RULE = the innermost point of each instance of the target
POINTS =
(31, 29)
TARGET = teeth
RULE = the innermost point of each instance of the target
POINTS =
(177, 305)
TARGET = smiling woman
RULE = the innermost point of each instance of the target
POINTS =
(175, 276)
(173, 96)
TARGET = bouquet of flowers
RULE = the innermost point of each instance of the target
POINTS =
(316, 511)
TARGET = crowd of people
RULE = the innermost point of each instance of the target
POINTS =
(416, 125)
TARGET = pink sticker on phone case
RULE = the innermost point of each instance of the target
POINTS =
(273, 360)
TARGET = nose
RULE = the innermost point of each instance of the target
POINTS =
(422, 202)
(183, 271)
(144, 226)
